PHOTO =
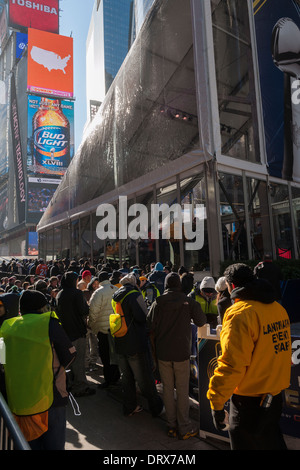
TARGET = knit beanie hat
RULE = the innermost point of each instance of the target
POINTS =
(31, 301)
(172, 281)
(103, 276)
(129, 279)
(221, 284)
(86, 273)
(207, 283)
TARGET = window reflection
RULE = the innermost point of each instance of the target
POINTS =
(85, 236)
(194, 192)
(57, 242)
(146, 247)
(232, 209)
(296, 214)
(75, 250)
(97, 244)
(259, 220)
(281, 220)
(65, 241)
(234, 74)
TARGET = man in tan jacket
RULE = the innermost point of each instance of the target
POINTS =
(100, 310)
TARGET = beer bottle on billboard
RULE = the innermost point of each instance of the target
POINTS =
(51, 139)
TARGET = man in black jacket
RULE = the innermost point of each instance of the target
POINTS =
(73, 310)
(270, 271)
(170, 320)
(133, 350)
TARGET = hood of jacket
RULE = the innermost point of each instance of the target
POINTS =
(259, 290)
(158, 267)
(122, 291)
(69, 280)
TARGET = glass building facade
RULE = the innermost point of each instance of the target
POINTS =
(182, 123)
(116, 22)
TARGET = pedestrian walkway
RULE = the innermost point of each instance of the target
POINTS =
(102, 426)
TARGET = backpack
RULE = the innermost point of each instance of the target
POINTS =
(117, 323)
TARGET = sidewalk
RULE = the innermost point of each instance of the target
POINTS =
(102, 426)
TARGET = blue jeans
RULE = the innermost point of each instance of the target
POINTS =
(55, 437)
(137, 369)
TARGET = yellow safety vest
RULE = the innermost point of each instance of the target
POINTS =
(29, 359)
(207, 307)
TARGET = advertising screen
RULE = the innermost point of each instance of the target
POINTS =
(39, 14)
(39, 196)
(50, 144)
(21, 43)
(50, 64)
(277, 24)
(33, 244)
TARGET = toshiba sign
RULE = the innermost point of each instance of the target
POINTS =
(40, 14)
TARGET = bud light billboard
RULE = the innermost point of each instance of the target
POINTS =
(50, 144)
(277, 24)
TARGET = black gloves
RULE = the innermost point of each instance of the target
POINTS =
(219, 417)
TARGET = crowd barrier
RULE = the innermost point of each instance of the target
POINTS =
(11, 437)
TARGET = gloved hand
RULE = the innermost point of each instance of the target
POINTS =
(219, 417)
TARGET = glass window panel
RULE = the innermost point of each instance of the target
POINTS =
(146, 247)
(232, 208)
(281, 218)
(235, 84)
(97, 244)
(49, 246)
(42, 244)
(57, 243)
(85, 236)
(193, 191)
(296, 215)
(169, 249)
(129, 245)
(66, 241)
(259, 220)
(75, 251)
(112, 246)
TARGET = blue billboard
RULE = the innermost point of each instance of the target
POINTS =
(277, 24)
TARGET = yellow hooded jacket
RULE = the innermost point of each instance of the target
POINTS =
(256, 352)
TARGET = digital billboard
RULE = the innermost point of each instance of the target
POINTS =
(33, 244)
(50, 64)
(39, 14)
(21, 43)
(277, 25)
(50, 144)
(39, 196)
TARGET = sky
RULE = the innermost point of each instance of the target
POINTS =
(75, 16)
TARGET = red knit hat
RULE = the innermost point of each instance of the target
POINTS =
(86, 273)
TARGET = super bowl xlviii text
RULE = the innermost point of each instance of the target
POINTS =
(164, 459)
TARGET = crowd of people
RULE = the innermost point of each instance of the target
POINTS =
(163, 308)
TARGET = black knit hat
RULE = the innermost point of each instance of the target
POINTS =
(31, 301)
(172, 281)
(103, 276)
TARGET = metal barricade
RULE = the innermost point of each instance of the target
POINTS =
(11, 437)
